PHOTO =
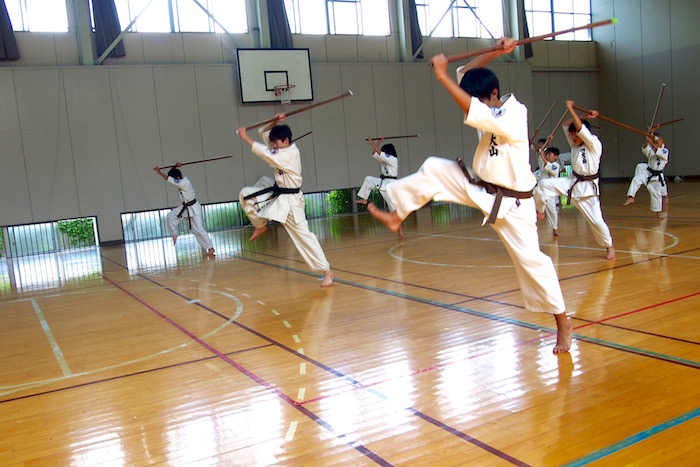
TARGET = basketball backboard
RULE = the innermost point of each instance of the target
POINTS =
(260, 70)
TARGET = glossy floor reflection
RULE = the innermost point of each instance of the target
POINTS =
(420, 354)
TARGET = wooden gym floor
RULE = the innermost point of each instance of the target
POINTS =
(420, 354)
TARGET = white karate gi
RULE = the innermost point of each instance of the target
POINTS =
(194, 213)
(656, 160)
(287, 209)
(501, 158)
(585, 160)
(389, 168)
(549, 170)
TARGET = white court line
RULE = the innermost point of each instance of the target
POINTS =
(52, 340)
(291, 430)
(675, 241)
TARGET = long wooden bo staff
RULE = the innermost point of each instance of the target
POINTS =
(199, 162)
(614, 122)
(528, 40)
(554, 131)
(392, 137)
(301, 109)
(658, 104)
(537, 130)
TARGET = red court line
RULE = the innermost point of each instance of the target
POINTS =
(609, 318)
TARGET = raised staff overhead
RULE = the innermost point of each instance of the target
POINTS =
(537, 130)
(528, 40)
(301, 109)
(228, 156)
(393, 137)
(615, 122)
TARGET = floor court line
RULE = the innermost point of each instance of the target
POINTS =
(58, 354)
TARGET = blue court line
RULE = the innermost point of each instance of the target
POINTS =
(641, 436)
(515, 322)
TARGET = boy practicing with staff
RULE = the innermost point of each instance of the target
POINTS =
(582, 186)
(191, 209)
(389, 161)
(651, 174)
(281, 200)
(550, 169)
(500, 185)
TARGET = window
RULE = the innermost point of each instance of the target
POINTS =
(38, 15)
(183, 15)
(358, 17)
(545, 16)
(460, 18)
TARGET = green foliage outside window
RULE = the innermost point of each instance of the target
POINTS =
(79, 231)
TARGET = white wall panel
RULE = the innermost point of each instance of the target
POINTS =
(180, 129)
(41, 102)
(94, 146)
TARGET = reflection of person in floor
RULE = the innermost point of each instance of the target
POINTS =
(389, 161)
(503, 189)
(281, 200)
(651, 175)
(190, 209)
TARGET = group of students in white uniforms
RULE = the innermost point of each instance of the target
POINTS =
(500, 184)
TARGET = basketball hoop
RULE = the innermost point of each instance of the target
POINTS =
(281, 92)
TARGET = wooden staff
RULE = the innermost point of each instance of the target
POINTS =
(392, 137)
(528, 40)
(299, 110)
(199, 162)
(554, 131)
(300, 137)
(658, 103)
(671, 122)
(537, 130)
(615, 122)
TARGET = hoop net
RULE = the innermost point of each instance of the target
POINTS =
(281, 92)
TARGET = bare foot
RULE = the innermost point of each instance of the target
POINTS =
(610, 252)
(210, 253)
(361, 201)
(327, 278)
(257, 232)
(174, 239)
(629, 201)
(555, 233)
(660, 215)
(390, 219)
(564, 333)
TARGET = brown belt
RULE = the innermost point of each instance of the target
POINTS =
(582, 178)
(499, 191)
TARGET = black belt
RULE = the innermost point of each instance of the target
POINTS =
(184, 208)
(582, 178)
(386, 176)
(499, 191)
(656, 173)
(275, 190)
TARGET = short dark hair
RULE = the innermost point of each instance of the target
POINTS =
(542, 140)
(389, 149)
(280, 133)
(480, 83)
(553, 150)
(572, 127)
(175, 173)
